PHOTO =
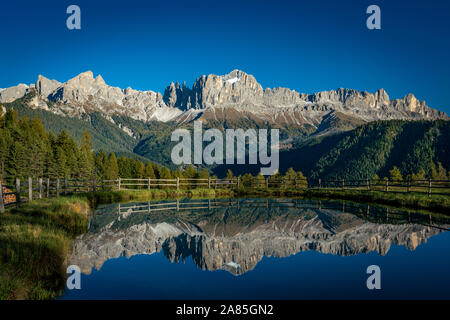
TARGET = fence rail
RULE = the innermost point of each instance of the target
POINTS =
(30, 189)
(363, 211)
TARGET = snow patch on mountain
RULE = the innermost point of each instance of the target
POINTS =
(233, 80)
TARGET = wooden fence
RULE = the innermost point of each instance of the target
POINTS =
(23, 191)
(428, 186)
(375, 213)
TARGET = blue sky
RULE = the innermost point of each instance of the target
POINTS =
(308, 46)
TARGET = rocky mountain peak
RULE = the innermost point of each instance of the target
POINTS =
(83, 80)
(45, 86)
(99, 80)
(382, 97)
(12, 93)
(219, 97)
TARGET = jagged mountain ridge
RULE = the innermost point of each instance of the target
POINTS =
(214, 98)
(239, 245)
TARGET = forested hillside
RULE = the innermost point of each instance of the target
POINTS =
(28, 150)
(371, 149)
(375, 148)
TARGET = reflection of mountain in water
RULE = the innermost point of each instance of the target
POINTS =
(237, 239)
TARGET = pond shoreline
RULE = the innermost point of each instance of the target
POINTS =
(36, 238)
(39, 234)
(415, 201)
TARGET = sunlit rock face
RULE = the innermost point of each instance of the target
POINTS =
(225, 241)
(233, 96)
(12, 93)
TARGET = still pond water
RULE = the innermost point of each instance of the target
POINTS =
(261, 249)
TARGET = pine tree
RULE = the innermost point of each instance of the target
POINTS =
(69, 148)
(441, 172)
(432, 173)
(139, 170)
(203, 174)
(190, 172)
(100, 165)
(126, 166)
(39, 142)
(112, 168)
(395, 174)
(86, 162)
(148, 171)
(165, 173)
(419, 176)
(157, 170)
(290, 177)
(259, 181)
(301, 180)
(50, 170)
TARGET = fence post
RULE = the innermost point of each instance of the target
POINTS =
(57, 187)
(429, 186)
(209, 182)
(343, 185)
(40, 188)
(267, 182)
(148, 181)
(368, 184)
(48, 188)
(17, 191)
(30, 189)
(387, 185)
(65, 186)
(119, 183)
(2, 204)
(178, 183)
(178, 205)
(320, 182)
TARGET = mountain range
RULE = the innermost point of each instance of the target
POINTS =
(237, 239)
(140, 123)
(216, 98)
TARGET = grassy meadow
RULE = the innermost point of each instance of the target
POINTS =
(36, 238)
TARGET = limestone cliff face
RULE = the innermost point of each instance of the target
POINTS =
(234, 96)
(84, 94)
(12, 93)
(239, 248)
(241, 92)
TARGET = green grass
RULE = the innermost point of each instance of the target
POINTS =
(35, 241)
(36, 238)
